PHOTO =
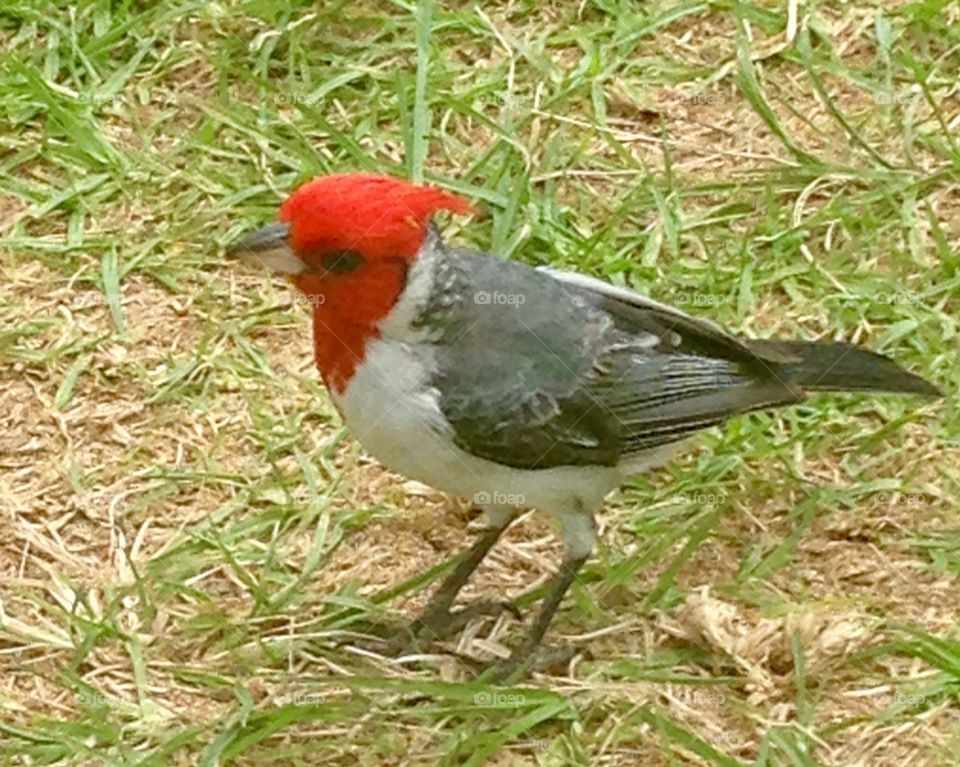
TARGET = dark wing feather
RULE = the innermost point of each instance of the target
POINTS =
(573, 375)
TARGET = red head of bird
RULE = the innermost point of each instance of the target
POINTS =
(347, 242)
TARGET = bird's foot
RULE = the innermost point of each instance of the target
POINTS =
(438, 624)
(433, 625)
(523, 661)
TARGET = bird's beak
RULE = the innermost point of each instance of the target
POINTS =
(269, 246)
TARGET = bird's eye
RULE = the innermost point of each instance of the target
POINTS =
(341, 262)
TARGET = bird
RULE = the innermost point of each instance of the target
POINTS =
(512, 385)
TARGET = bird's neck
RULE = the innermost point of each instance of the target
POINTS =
(382, 301)
(348, 312)
(339, 348)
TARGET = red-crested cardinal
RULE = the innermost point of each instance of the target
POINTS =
(514, 385)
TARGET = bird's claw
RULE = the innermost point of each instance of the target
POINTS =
(432, 626)
(523, 660)
(436, 625)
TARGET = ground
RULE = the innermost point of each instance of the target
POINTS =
(188, 533)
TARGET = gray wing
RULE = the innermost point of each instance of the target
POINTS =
(636, 313)
(535, 371)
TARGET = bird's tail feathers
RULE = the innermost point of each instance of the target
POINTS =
(834, 366)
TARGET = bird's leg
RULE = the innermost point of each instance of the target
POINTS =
(578, 532)
(438, 620)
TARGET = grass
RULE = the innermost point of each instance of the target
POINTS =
(189, 533)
